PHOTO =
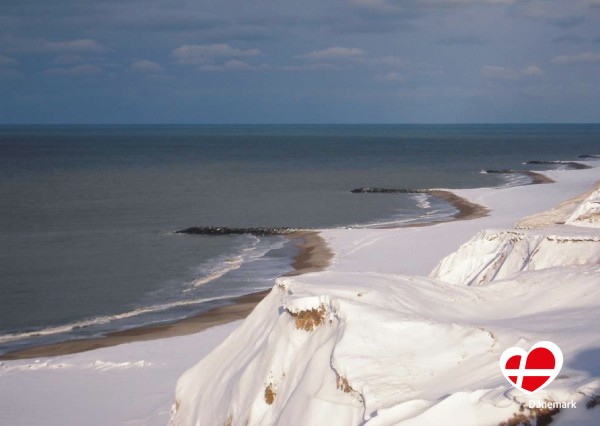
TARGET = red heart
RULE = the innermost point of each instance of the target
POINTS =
(534, 370)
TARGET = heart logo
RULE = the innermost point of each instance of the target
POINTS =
(533, 370)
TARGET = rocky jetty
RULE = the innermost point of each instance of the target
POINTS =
(223, 230)
(570, 164)
(503, 171)
(389, 191)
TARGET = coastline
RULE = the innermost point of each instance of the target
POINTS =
(314, 256)
(466, 209)
(137, 380)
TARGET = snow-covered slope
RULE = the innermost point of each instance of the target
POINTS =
(361, 347)
(588, 212)
(494, 255)
(385, 349)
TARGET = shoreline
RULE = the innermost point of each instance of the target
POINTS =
(467, 210)
(537, 178)
(314, 256)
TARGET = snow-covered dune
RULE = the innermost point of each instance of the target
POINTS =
(493, 255)
(385, 349)
(354, 346)
(588, 212)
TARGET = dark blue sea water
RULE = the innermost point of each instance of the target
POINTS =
(87, 213)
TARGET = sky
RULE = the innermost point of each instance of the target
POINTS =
(309, 61)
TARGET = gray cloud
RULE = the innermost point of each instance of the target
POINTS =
(508, 73)
(579, 58)
(75, 71)
(8, 66)
(569, 39)
(391, 77)
(6, 61)
(334, 53)
(144, 66)
(68, 59)
(233, 65)
(465, 40)
(568, 21)
(195, 54)
(41, 45)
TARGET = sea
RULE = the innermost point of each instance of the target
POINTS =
(88, 213)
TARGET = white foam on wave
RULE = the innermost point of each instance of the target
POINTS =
(226, 266)
(231, 263)
(422, 201)
(248, 253)
(104, 319)
(515, 179)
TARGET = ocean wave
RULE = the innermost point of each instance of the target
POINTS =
(515, 179)
(422, 201)
(225, 267)
(222, 266)
(249, 252)
(105, 319)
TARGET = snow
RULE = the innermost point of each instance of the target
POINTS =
(374, 340)
(588, 213)
(495, 255)
(131, 384)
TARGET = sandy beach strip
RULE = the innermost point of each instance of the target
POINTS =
(466, 209)
(537, 178)
(314, 255)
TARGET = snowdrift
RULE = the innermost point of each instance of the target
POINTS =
(588, 212)
(496, 255)
(342, 348)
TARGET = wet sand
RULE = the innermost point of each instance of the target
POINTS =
(466, 209)
(537, 178)
(314, 256)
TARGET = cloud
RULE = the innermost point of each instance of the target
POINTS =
(388, 6)
(389, 60)
(532, 70)
(390, 77)
(316, 66)
(207, 53)
(68, 59)
(144, 66)
(561, 14)
(8, 66)
(42, 45)
(233, 65)
(580, 58)
(335, 52)
(463, 40)
(6, 61)
(493, 72)
(568, 21)
(569, 39)
(76, 71)
(78, 45)
(503, 73)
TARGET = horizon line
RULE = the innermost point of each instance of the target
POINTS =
(303, 123)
